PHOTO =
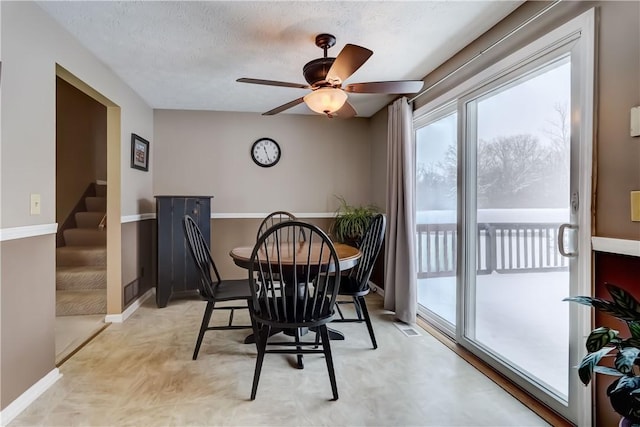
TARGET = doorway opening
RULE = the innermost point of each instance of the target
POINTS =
(87, 212)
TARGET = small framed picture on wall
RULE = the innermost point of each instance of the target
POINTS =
(139, 153)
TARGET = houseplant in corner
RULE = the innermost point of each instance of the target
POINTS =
(606, 343)
(351, 222)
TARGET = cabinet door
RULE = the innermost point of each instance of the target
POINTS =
(176, 270)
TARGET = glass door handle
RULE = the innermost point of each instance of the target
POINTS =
(561, 248)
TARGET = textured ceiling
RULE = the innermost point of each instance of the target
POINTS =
(187, 55)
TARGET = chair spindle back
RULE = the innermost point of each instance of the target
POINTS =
(201, 257)
(304, 267)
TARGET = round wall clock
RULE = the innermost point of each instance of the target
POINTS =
(265, 152)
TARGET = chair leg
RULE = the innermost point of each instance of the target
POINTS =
(339, 311)
(206, 318)
(261, 343)
(367, 319)
(356, 304)
(326, 346)
(299, 355)
(254, 324)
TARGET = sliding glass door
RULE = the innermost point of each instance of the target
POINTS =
(503, 173)
(519, 148)
(437, 217)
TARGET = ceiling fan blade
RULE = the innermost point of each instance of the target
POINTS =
(350, 58)
(347, 111)
(402, 86)
(272, 83)
(283, 107)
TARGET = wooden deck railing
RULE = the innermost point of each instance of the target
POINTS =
(502, 247)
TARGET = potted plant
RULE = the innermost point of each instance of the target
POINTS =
(606, 343)
(351, 222)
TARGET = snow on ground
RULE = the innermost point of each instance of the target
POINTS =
(520, 316)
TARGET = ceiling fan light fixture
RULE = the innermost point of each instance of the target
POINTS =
(326, 100)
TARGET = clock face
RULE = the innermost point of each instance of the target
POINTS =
(265, 152)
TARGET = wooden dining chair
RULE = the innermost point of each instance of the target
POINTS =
(356, 283)
(272, 219)
(308, 300)
(211, 287)
(276, 218)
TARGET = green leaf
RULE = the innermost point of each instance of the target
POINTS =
(607, 371)
(625, 360)
(622, 298)
(600, 337)
(608, 307)
(580, 300)
(589, 362)
(628, 382)
(634, 328)
(351, 221)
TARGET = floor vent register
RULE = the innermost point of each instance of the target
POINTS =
(408, 330)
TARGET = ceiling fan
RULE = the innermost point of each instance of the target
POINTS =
(325, 77)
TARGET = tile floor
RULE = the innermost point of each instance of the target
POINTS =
(140, 373)
(73, 331)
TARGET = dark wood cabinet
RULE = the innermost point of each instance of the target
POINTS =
(177, 273)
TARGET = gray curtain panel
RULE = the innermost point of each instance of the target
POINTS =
(400, 294)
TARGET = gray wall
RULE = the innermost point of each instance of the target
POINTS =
(208, 153)
(31, 45)
(27, 311)
(378, 125)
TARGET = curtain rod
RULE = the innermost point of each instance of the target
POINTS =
(482, 52)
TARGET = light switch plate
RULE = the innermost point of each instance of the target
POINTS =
(635, 121)
(635, 206)
(35, 204)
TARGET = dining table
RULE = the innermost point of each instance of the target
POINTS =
(300, 252)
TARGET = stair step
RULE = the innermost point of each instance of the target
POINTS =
(88, 219)
(101, 190)
(81, 277)
(96, 204)
(85, 237)
(73, 303)
(81, 255)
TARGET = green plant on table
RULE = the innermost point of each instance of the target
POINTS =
(351, 222)
(606, 343)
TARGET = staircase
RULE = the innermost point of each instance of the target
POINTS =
(81, 265)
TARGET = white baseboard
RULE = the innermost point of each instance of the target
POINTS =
(119, 318)
(28, 397)
(377, 289)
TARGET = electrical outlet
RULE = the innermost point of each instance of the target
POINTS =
(35, 204)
